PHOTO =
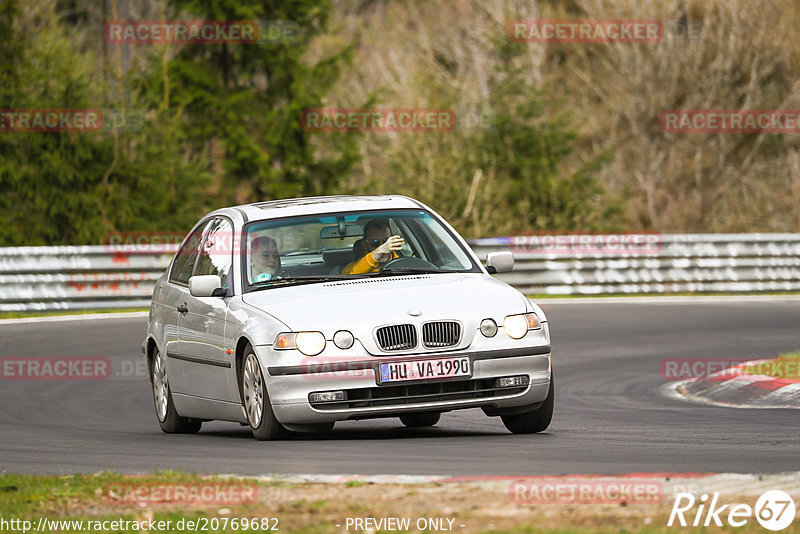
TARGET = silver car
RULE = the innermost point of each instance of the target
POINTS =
(290, 315)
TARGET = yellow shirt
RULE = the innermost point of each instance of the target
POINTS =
(367, 264)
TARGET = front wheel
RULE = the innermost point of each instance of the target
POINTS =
(535, 421)
(262, 420)
(168, 418)
(417, 420)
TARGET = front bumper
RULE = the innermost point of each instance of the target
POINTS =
(289, 386)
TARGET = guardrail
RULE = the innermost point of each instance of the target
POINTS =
(676, 263)
(77, 278)
(91, 277)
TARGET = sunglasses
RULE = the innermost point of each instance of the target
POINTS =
(374, 243)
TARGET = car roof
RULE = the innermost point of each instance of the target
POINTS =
(273, 209)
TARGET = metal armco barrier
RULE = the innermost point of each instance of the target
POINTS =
(64, 278)
(75, 278)
(680, 263)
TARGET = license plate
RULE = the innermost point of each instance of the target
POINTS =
(424, 369)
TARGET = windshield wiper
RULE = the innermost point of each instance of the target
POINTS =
(293, 280)
(410, 270)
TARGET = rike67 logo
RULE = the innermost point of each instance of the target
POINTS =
(774, 510)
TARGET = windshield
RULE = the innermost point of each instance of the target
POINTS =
(377, 243)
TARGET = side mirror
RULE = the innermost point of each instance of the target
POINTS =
(499, 262)
(207, 285)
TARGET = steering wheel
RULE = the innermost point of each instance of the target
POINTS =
(408, 262)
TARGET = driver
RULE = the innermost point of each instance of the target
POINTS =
(381, 248)
(265, 261)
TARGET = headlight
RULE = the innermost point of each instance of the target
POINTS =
(309, 343)
(516, 326)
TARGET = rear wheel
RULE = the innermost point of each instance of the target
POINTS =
(262, 420)
(168, 418)
(534, 421)
(416, 420)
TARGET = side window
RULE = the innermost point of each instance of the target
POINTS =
(445, 256)
(185, 257)
(411, 246)
(216, 254)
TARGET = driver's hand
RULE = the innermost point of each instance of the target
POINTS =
(383, 253)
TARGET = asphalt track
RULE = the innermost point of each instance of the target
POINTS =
(611, 416)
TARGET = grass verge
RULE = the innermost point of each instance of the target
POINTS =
(545, 296)
(56, 313)
(306, 507)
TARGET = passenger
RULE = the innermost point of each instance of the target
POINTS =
(265, 261)
(381, 247)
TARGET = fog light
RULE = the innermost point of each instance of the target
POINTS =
(488, 328)
(512, 381)
(343, 339)
(326, 396)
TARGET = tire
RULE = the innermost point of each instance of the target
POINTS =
(256, 402)
(417, 420)
(168, 418)
(534, 421)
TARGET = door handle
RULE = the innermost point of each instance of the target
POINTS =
(183, 309)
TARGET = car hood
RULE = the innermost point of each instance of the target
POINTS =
(362, 304)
